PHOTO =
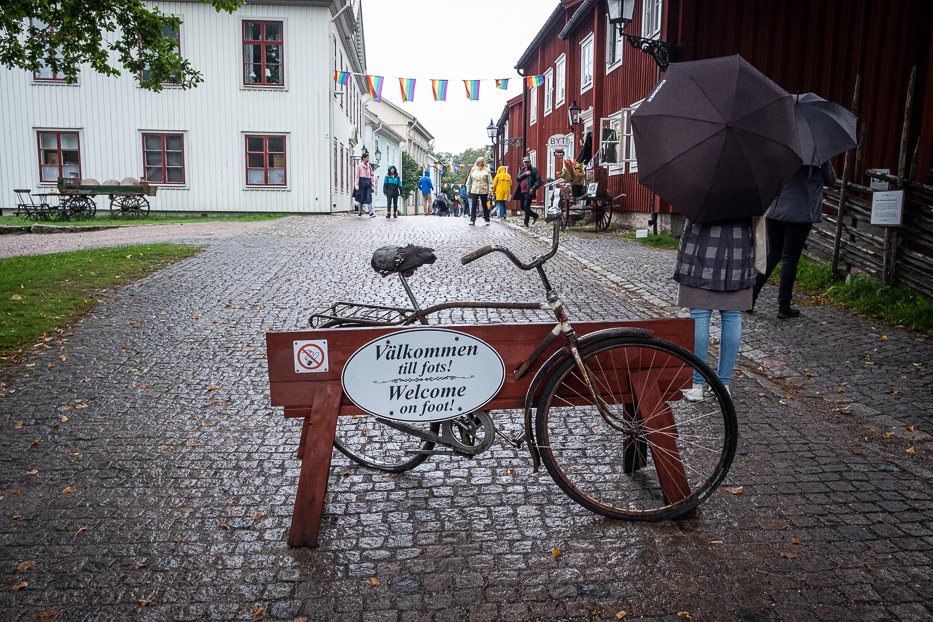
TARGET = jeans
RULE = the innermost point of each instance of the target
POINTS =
(729, 341)
(785, 245)
(475, 200)
(501, 206)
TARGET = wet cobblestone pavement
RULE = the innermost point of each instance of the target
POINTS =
(145, 474)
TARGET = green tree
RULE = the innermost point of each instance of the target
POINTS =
(64, 34)
(411, 173)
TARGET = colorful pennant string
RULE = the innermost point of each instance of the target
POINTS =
(472, 89)
(502, 83)
(342, 77)
(534, 80)
(408, 88)
(375, 87)
(440, 90)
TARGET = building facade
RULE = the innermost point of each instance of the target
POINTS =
(385, 148)
(266, 131)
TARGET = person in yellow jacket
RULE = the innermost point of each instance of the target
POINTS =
(502, 185)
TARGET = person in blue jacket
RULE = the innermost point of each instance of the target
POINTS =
(426, 186)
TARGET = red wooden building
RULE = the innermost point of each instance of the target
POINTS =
(819, 46)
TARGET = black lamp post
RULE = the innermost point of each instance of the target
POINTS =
(377, 157)
(491, 131)
(621, 13)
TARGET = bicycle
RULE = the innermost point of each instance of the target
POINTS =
(611, 423)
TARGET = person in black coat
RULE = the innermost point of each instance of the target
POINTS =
(529, 180)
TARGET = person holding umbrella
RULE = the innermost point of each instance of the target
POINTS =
(825, 130)
(717, 140)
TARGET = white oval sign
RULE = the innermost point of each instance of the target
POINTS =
(423, 374)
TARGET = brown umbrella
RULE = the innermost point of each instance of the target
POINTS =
(716, 139)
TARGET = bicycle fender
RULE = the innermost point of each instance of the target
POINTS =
(544, 373)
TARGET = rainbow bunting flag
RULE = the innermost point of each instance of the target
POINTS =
(440, 90)
(341, 77)
(450, 168)
(502, 83)
(375, 86)
(534, 80)
(408, 89)
(472, 89)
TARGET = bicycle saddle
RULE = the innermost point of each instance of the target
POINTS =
(404, 259)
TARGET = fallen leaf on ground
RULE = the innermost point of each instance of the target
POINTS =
(69, 489)
(258, 612)
(224, 526)
(910, 450)
(736, 491)
(868, 565)
(82, 529)
(212, 388)
(299, 620)
(140, 565)
(33, 472)
(911, 428)
(15, 516)
(684, 614)
(26, 566)
(788, 555)
(257, 516)
(18, 425)
(621, 615)
(373, 581)
(19, 586)
(794, 541)
(143, 603)
(555, 552)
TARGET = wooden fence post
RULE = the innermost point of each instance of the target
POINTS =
(889, 254)
(856, 96)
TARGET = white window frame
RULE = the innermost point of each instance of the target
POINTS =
(548, 91)
(651, 18)
(586, 58)
(621, 138)
(532, 105)
(614, 47)
(560, 82)
(505, 137)
(534, 158)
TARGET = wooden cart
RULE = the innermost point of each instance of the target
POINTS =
(126, 201)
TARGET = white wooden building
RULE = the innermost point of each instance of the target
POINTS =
(267, 131)
(385, 144)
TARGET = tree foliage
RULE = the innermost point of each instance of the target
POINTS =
(65, 34)
(411, 173)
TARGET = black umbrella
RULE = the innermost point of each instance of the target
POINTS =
(716, 139)
(825, 129)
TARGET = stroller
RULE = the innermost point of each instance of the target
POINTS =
(441, 207)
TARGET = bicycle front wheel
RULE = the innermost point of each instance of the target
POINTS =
(641, 451)
(371, 443)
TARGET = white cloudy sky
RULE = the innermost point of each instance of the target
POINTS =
(438, 39)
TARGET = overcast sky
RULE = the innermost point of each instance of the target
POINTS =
(431, 39)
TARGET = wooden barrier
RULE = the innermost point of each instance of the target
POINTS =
(319, 398)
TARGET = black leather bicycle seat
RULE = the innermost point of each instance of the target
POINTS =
(404, 259)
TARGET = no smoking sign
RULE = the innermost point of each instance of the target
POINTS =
(310, 356)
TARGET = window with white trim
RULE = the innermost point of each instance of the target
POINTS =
(651, 19)
(265, 160)
(167, 33)
(616, 143)
(560, 84)
(164, 158)
(586, 63)
(532, 105)
(534, 158)
(614, 42)
(263, 53)
(59, 156)
(548, 91)
(45, 73)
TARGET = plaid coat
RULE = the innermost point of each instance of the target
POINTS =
(717, 256)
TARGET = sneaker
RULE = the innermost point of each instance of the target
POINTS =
(535, 219)
(372, 214)
(360, 213)
(486, 224)
(729, 389)
(388, 215)
(694, 394)
(395, 216)
(472, 223)
(787, 313)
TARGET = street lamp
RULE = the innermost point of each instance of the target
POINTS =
(491, 131)
(573, 114)
(621, 13)
(377, 157)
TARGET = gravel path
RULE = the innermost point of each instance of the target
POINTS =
(193, 233)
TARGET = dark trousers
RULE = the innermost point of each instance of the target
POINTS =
(785, 245)
(526, 207)
(392, 204)
(475, 200)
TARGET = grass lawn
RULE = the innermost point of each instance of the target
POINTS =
(41, 295)
(103, 219)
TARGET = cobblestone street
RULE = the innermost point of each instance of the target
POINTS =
(144, 474)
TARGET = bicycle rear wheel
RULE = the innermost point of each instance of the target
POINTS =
(644, 452)
(371, 443)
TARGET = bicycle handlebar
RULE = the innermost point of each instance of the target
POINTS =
(534, 263)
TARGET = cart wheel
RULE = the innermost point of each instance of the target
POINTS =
(602, 213)
(78, 207)
(367, 441)
(564, 212)
(129, 206)
(643, 452)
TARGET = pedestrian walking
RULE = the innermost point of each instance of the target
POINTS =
(787, 225)
(455, 205)
(502, 185)
(441, 206)
(465, 200)
(392, 188)
(479, 187)
(716, 271)
(426, 186)
(363, 185)
(529, 180)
